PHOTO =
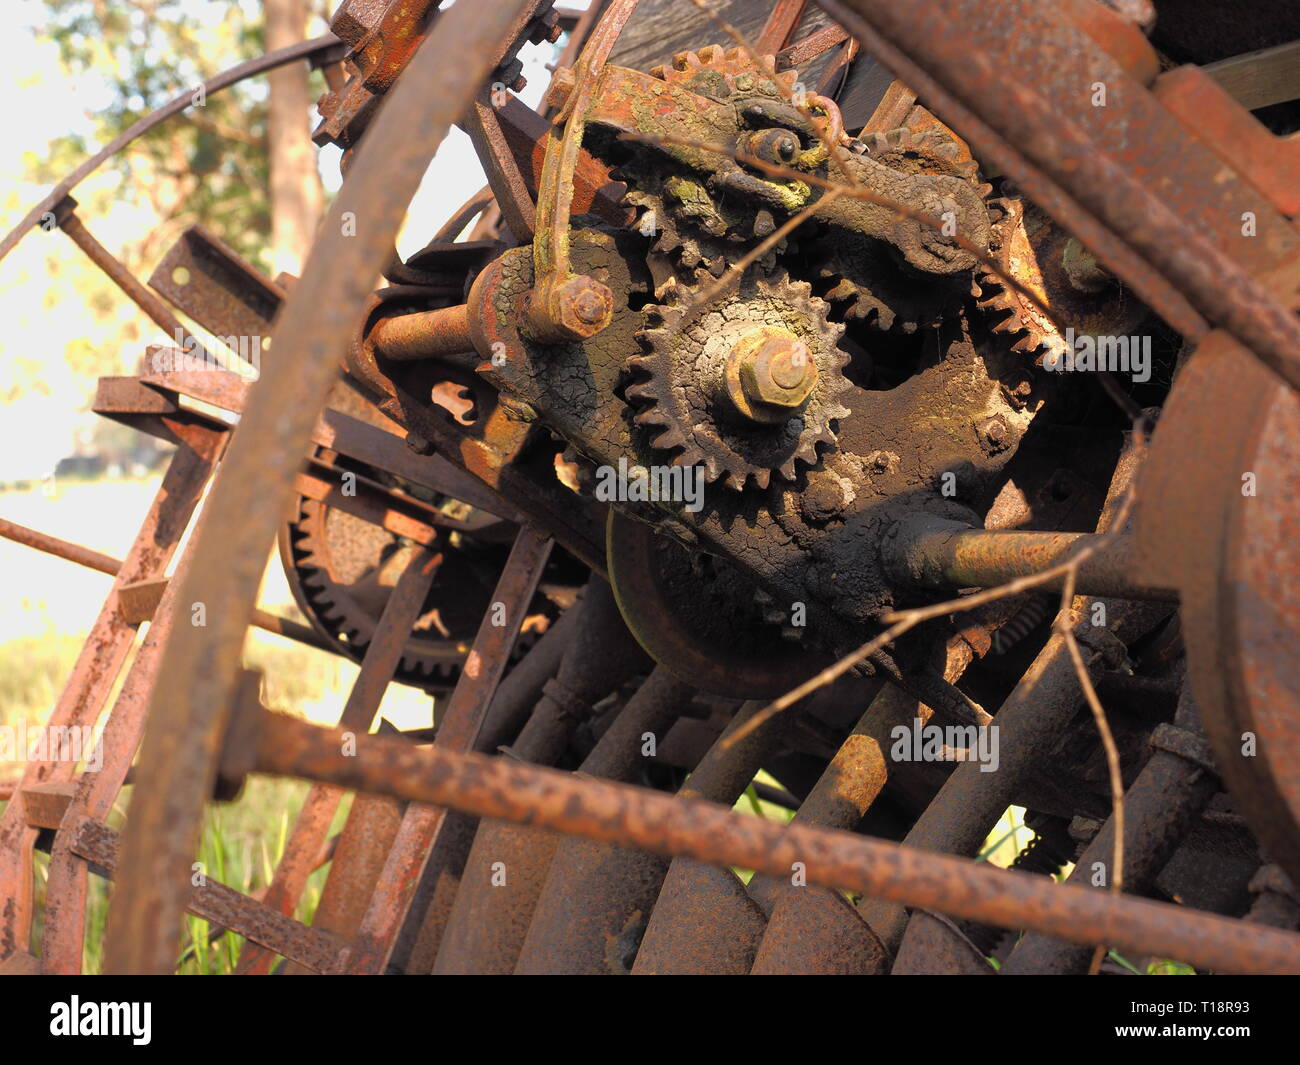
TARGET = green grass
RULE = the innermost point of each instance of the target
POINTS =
(242, 841)
(241, 846)
(32, 672)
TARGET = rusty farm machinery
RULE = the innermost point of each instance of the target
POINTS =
(806, 378)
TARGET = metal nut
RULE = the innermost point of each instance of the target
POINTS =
(770, 375)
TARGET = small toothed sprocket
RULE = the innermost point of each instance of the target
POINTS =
(746, 387)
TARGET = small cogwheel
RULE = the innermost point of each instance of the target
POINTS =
(747, 387)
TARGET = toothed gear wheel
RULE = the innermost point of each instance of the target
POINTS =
(342, 569)
(721, 73)
(680, 398)
(1008, 312)
(690, 228)
(1031, 249)
(866, 282)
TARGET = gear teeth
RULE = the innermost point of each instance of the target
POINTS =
(668, 440)
(728, 454)
(641, 392)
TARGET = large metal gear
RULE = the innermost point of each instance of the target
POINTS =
(342, 571)
(683, 397)
(690, 227)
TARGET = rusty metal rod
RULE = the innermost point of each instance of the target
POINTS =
(52, 545)
(423, 334)
(939, 554)
(154, 308)
(636, 817)
(96, 560)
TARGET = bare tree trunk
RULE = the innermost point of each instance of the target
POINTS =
(296, 197)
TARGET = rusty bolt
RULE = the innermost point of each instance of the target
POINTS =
(583, 306)
(563, 82)
(994, 434)
(419, 444)
(575, 308)
(589, 306)
(545, 27)
(770, 374)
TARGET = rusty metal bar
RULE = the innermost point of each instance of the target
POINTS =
(154, 308)
(96, 560)
(457, 731)
(66, 549)
(663, 824)
(221, 905)
(340, 432)
(383, 654)
(217, 288)
(938, 554)
(810, 47)
(507, 181)
(780, 24)
(423, 334)
(199, 671)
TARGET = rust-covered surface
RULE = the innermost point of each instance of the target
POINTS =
(750, 351)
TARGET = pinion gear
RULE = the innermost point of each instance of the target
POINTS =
(680, 394)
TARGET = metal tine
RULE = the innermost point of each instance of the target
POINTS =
(403, 608)
(458, 730)
(597, 897)
(812, 930)
(571, 930)
(486, 926)
(418, 943)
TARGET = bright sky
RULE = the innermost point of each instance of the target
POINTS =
(39, 305)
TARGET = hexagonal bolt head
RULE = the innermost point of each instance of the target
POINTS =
(770, 375)
(577, 308)
(563, 82)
